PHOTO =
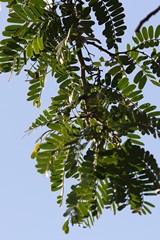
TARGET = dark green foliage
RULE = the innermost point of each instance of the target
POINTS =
(111, 14)
(93, 127)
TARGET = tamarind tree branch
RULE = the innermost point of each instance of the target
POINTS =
(100, 48)
(147, 18)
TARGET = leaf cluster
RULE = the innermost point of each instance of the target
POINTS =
(93, 126)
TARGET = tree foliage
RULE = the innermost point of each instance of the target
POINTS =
(93, 127)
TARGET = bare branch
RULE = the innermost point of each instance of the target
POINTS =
(101, 48)
(147, 18)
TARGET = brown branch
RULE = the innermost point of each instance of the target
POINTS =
(78, 48)
(101, 48)
(147, 18)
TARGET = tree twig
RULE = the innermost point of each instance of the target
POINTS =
(147, 18)
(101, 48)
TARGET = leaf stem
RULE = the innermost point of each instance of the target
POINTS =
(101, 48)
(147, 18)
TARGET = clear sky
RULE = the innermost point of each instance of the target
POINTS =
(28, 209)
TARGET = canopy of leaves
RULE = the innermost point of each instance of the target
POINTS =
(93, 127)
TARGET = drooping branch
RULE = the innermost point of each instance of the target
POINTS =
(147, 18)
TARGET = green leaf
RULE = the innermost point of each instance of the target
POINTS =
(145, 105)
(128, 47)
(86, 12)
(136, 136)
(14, 18)
(137, 142)
(97, 64)
(114, 208)
(29, 50)
(149, 204)
(6, 59)
(121, 207)
(83, 209)
(114, 70)
(33, 97)
(128, 89)
(12, 28)
(65, 227)
(150, 108)
(41, 3)
(150, 194)
(142, 82)
(154, 114)
(123, 83)
(147, 209)
(29, 13)
(40, 42)
(135, 93)
(151, 32)
(137, 98)
(37, 10)
(130, 68)
(157, 31)
(140, 36)
(54, 126)
(33, 92)
(57, 138)
(145, 33)
(136, 40)
(19, 11)
(155, 83)
(35, 46)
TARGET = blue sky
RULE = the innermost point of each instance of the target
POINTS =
(28, 208)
